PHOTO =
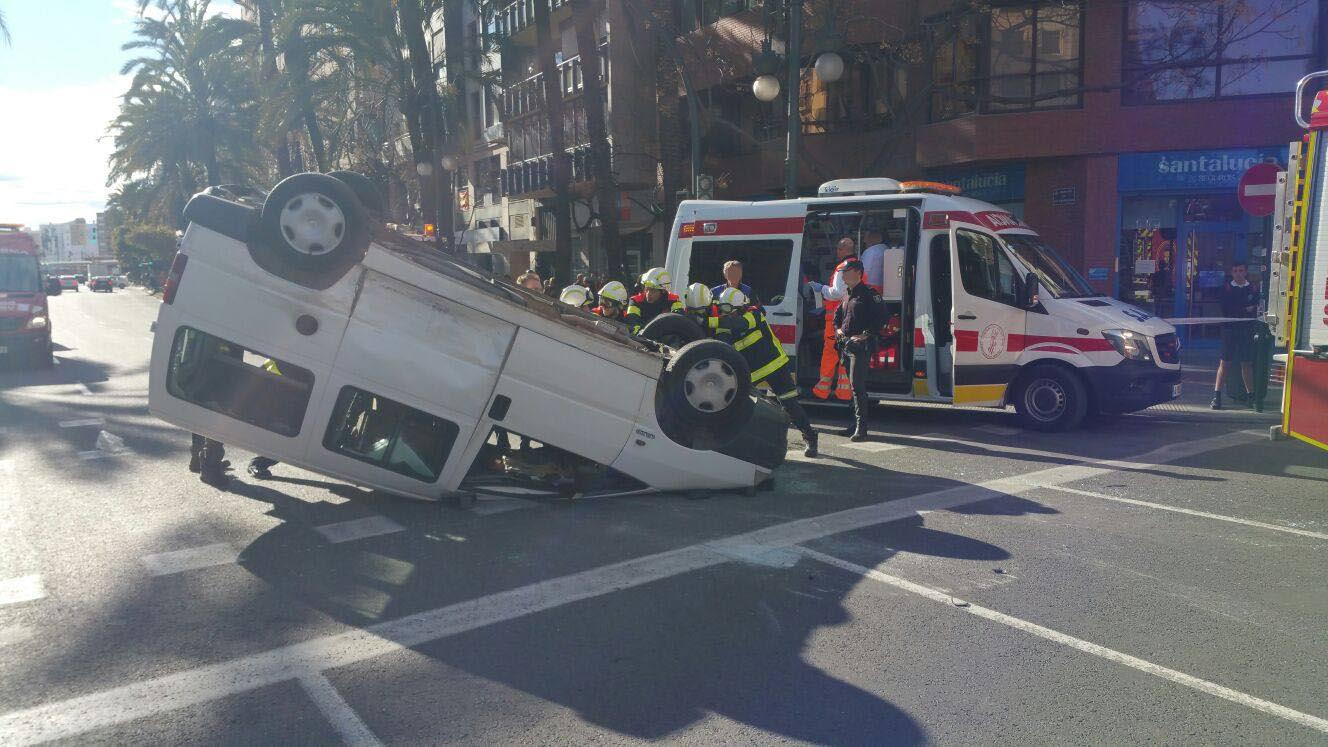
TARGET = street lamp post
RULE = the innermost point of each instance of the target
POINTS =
(829, 67)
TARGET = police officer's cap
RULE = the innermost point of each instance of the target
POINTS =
(854, 264)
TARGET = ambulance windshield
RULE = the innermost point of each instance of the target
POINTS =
(1058, 279)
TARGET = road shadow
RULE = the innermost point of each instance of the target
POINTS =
(645, 662)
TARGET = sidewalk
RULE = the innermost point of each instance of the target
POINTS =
(1199, 368)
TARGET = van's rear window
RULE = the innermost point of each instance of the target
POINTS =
(227, 378)
(765, 264)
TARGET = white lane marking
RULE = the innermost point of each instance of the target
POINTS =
(347, 531)
(998, 430)
(7, 466)
(84, 388)
(11, 634)
(74, 716)
(97, 454)
(1226, 693)
(337, 711)
(1188, 511)
(21, 589)
(81, 423)
(872, 446)
(190, 558)
(490, 506)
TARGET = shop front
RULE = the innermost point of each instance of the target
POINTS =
(1002, 186)
(1182, 227)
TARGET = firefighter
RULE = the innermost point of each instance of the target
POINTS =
(653, 300)
(699, 304)
(745, 327)
(612, 299)
(834, 294)
(575, 295)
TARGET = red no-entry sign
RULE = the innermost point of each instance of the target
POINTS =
(1258, 189)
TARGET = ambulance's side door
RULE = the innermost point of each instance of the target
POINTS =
(985, 315)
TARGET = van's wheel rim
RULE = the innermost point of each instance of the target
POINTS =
(710, 385)
(312, 223)
(1045, 400)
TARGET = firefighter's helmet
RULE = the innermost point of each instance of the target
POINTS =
(656, 277)
(574, 295)
(732, 297)
(697, 296)
(613, 291)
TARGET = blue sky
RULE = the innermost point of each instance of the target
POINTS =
(59, 87)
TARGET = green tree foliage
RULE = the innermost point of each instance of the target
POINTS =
(144, 250)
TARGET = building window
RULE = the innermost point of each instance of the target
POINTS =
(867, 96)
(1186, 49)
(226, 378)
(709, 11)
(1018, 58)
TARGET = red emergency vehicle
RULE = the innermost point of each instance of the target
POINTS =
(25, 326)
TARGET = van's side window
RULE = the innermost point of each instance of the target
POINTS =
(985, 270)
(389, 434)
(765, 264)
(226, 378)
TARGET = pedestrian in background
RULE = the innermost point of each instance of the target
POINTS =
(857, 322)
(1240, 299)
(530, 280)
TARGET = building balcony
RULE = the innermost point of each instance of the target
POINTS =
(516, 20)
(526, 96)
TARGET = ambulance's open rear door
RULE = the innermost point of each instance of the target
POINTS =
(1305, 398)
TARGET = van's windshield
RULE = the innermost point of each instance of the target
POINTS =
(18, 273)
(1058, 279)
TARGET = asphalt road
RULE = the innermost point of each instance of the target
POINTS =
(1156, 578)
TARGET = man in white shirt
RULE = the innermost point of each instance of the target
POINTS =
(873, 259)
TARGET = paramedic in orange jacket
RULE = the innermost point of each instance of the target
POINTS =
(834, 293)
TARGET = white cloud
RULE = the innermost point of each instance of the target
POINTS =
(56, 150)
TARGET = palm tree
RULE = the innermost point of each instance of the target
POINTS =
(4, 29)
(190, 109)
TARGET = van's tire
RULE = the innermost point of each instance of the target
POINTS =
(311, 231)
(704, 397)
(674, 330)
(1050, 398)
(370, 197)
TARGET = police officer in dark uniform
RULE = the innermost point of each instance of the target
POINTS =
(858, 320)
(745, 327)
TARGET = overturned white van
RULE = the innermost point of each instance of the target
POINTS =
(295, 327)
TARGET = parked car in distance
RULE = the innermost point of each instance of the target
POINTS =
(121, 281)
(53, 285)
(69, 282)
(81, 278)
(101, 283)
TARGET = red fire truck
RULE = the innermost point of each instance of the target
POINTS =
(25, 326)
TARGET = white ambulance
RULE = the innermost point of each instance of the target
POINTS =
(988, 314)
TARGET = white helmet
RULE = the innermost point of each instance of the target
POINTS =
(574, 295)
(732, 297)
(697, 296)
(614, 291)
(656, 277)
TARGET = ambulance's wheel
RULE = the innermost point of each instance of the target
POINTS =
(1050, 398)
(674, 330)
(705, 395)
(311, 231)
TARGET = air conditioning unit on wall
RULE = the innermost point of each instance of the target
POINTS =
(521, 220)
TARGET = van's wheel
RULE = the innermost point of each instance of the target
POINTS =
(673, 330)
(369, 195)
(1050, 398)
(704, 398)
(311, 231)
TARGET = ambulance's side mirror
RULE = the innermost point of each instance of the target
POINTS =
(1029, 298)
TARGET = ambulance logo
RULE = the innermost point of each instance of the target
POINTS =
(991, 341)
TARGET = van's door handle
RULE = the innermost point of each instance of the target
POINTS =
(781, 313)
(968, 316)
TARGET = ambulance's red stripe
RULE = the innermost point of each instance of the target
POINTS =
(966, 341)
(919, 340)
(741, 227)
(785, 332)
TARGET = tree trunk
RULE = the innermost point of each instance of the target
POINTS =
(270, 73)
(421, 105)
(668, 81)
(561, 171)
(297, 67)
(584, 13)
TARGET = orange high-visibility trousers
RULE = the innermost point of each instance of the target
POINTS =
(830, 364)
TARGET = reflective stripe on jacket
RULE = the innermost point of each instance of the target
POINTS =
(750, 334)
(640, 311)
